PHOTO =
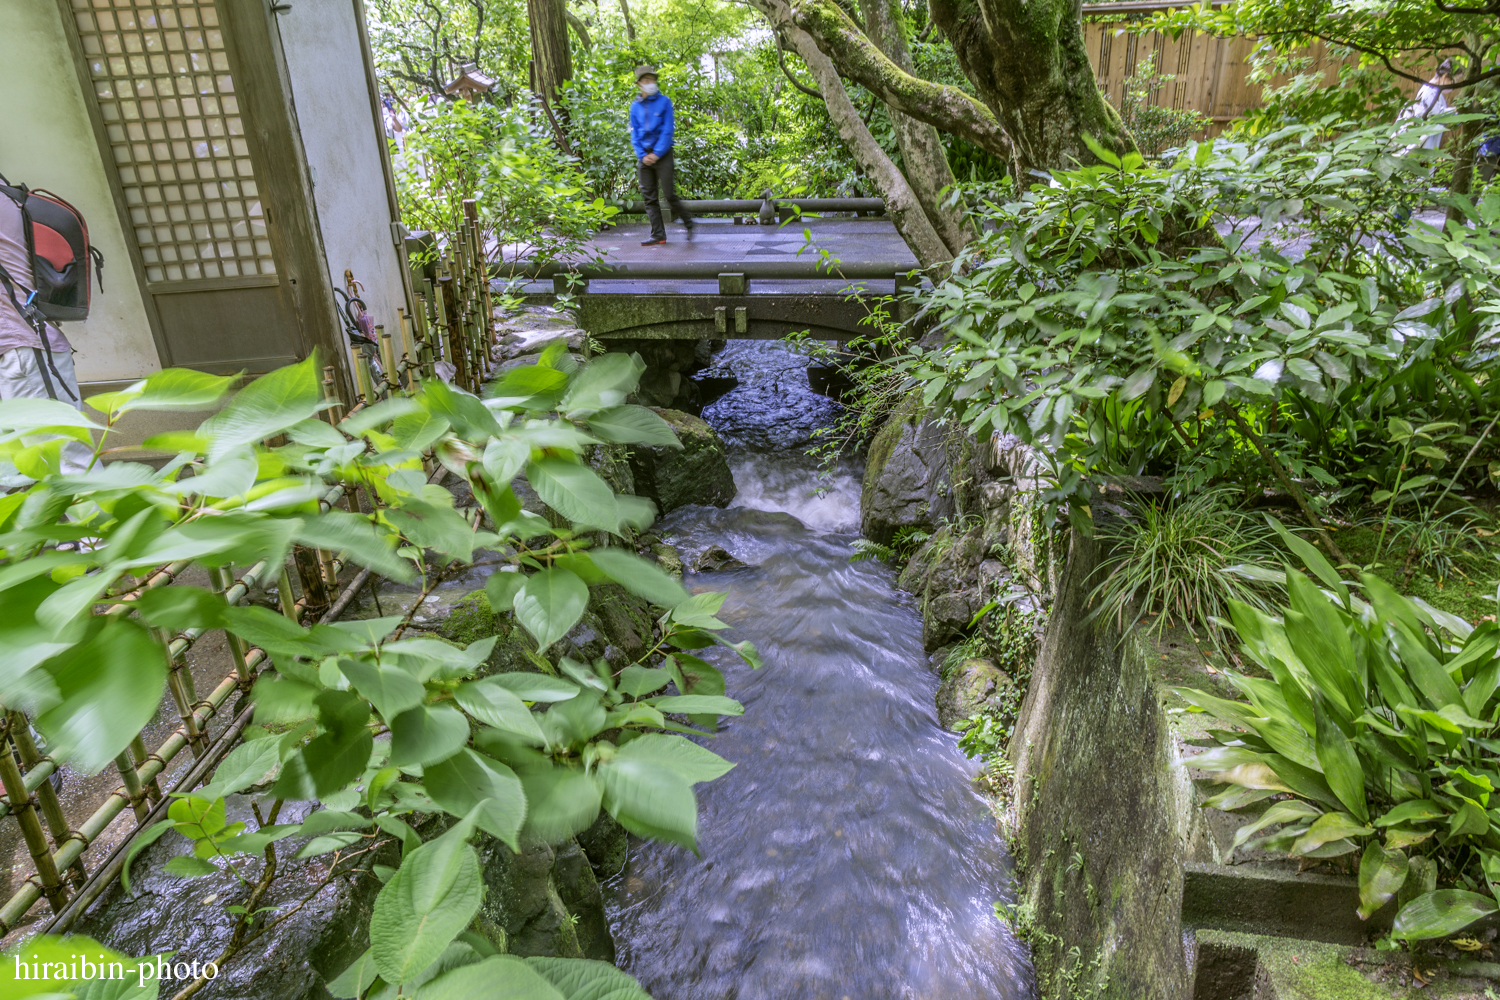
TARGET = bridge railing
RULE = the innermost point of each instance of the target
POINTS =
(766, 208)
(734, 276)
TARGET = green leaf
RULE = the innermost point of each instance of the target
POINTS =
(633, 425)
(121, 667)
(496, 705)
(676, 753)
(143, 840)
(502, 977)
(265, 407)
(248, 764)
(1440, 913)
(560, 802)
(637, 681)
(650, 800)
(500, 589)
(360, 975)
(433, 526)
(1381, 875)
(1310, 556)
(431, 898)
(185, 866)
(471, 783)
(692, 704)
(575, 492)
(335, 758)
(356, 538)
(328, 843)
(642, 577)
(535, 687)
(586, 979)
(379, 414)
(177, 389)
(1288, 811)
(550, 603)
(604, 382)
(527, 381)
(427, 734)
(1321, 641)
(1470, 821)
(1413, 810)
(1329, 827)
(1340, 765)
(390, 689)
(1425, 670)
(181, 607)
(333, 819)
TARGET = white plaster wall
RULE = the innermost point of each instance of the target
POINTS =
(46, 140)
(321, 41)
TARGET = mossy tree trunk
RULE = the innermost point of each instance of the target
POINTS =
(923, 159)
(901, 202)
(1026, 59)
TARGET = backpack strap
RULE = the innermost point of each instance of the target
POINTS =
(37, 322)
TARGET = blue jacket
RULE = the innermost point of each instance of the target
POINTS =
(651, 125)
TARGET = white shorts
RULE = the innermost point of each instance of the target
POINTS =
(25, 373)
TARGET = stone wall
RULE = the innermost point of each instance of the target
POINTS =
(1104, 817)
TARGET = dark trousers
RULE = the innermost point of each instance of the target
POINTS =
(658, 178)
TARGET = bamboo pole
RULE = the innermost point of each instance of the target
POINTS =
(46, 795)
(31, 830)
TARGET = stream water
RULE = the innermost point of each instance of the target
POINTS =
(847, 855)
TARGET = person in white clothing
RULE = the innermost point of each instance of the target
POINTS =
(1432, 100)
(31, 364)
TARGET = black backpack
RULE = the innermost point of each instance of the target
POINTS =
(57, 247)
(58, 250)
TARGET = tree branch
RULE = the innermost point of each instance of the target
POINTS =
(579, 28)
(781, 61)
(859, 59)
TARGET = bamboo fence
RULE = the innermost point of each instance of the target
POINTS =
(453, 322)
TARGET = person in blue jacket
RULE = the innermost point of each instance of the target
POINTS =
(651, 135)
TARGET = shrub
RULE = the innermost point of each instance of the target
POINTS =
(1375, 720)
(1171, 560)
(1155, 127)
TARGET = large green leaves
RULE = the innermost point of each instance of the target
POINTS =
(427, 734)
(1381, 875)
(430, 899)
(575, 492)
(265, 407)
(560, 802)
(100, 694)
(550, 603)
(651, 800)
(471, 783)
(494, 704)
(641, 577)
(1440, 913)
(1341, 766)
(582, 979)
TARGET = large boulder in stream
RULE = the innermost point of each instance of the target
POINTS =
(696, 473)
(968, 688)
(913, 473)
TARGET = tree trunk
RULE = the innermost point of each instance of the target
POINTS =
(901, 203)
(551, 62)
(1466, 141)
(923, 158)
(1027, 60)
(859, 59)
(629, 24)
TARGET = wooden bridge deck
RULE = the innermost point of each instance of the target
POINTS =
(664, 305)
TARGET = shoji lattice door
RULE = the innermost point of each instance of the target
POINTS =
(174, 134)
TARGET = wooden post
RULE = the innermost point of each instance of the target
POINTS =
(314, 589)
(24, 810)
(135, 792)
(46, 795)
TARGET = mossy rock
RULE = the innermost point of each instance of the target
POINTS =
(968, 689)
(472, 620)
(696, 473)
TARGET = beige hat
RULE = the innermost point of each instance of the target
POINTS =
(644, 70)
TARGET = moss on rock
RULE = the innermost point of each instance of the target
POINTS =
(696, 473)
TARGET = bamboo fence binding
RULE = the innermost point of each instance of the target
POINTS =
(55, 847)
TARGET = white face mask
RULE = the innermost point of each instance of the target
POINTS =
(649, 89)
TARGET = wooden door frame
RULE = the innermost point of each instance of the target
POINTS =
(263, 84)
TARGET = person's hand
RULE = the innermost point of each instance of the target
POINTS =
(649, 159)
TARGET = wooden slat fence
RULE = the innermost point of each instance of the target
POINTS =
(1211, 74)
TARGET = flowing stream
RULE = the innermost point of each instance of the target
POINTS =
(847, 855)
